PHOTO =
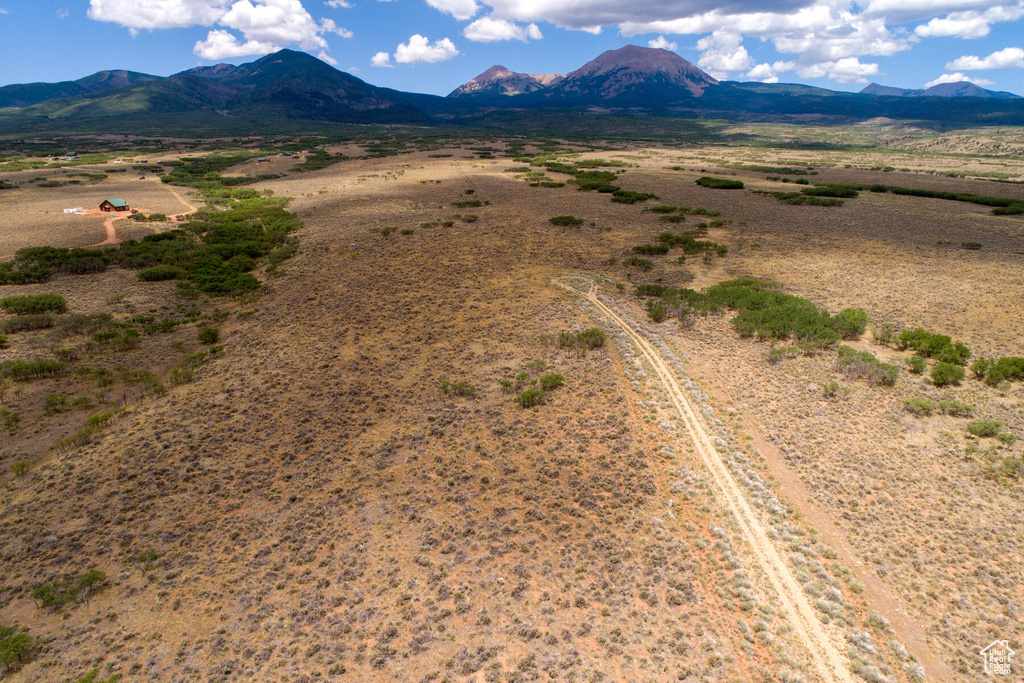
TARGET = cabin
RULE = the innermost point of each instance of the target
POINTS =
(110, 205)
(263, 160)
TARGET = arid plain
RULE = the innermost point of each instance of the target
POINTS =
(312, 505)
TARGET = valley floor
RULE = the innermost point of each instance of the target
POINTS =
(679, 509)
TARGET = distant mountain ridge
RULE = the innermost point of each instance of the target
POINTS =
(286, 84)
(501, 81)
(27, 94)
(639, 73)
(958, 89)
(290, 90)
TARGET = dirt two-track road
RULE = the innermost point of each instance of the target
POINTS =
(827, 657)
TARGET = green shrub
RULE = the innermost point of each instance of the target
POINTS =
(980, 367)
(56, 403)
(985, 428)
(651, 249)
(160, 273)
(592, 338)
(797, 198)
(652, 290)
(642, 263)
(3, 340)
(937, 346)
(777, 354)
(629, 197)
(662, 208)
(917, 364)
(22, 323)
(570, 221)
(91, 677)
(10, 420)
(15, 648)
(920, 406)
(956, 408)
(656, 311)
(58, 593)
(974, 246)
(1005, 369)
(720, 183)
(464, 389)
(944, 374)
(850, 323)
(208, 335)
(1006, 470)
(530, 398)
(830, 191)
(550, 381)
(33, 369)
(34, 303)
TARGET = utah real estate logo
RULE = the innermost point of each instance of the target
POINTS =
(997, 658)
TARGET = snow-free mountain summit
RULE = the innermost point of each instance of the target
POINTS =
(636, 73)
(501, 81)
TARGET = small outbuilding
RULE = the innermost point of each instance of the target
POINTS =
(109, 205)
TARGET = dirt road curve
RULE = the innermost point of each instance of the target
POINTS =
(832, 665)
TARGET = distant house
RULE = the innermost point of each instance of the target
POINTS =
(262, 160)
(109, 205)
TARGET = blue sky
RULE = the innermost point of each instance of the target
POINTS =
(434, 46)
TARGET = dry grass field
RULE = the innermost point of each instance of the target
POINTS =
(34, 215)
(313, 506)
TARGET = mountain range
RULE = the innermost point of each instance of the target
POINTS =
(26, 94)
(289, 90)
(957, 89)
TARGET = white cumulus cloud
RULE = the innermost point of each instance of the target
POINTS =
(382, 59)
(224, 45)
(338, 4)
(661, 43)
(279, 21)
(721, 53)
(460, 9)
(419, 50)
(969, 24)
(265, 25)
(154, 14)
(1003, 59)
(902, 11)
(845, 70)
(487, 30)
(766, 73)
(328, 26)
(958, 77)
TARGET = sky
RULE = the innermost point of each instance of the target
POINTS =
(433, 46)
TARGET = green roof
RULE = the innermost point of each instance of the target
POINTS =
(118, 202)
